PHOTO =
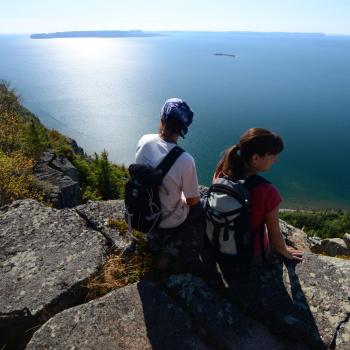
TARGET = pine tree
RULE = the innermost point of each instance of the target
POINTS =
(107, 187)
(34, 140)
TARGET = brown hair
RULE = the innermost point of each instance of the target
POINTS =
(235, 162)
(170, 127)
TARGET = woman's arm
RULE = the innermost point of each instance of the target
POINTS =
(192, 201)
(276, 238)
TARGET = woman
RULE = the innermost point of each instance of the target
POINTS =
(256, 151)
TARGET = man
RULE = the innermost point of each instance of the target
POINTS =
(179, 196)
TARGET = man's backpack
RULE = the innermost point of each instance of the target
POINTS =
(142, 204)
(227, 219)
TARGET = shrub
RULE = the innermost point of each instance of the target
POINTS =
(12, 127)
(22, 132)
(59, 144)
(34, 139)
(16, 178)
(99, 178)
(9, 99)
(324, 224)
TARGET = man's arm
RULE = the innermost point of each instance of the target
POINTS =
(190, 182)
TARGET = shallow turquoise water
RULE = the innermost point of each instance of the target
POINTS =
(106, 93)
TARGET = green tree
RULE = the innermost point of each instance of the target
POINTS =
(34, 139)
(106, 177)
(59, 144)
(9, 99)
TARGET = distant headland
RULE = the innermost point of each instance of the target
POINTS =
(95, 34)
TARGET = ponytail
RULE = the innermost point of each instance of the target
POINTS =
(231, 164)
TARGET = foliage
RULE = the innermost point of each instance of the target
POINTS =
(34, 139)
(12, 127)
(22, 133)
(324, 224)
(9, 99)
(16, 179)
(99, 178)
(59, 144)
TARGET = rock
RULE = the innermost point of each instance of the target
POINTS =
(59, 179)
(310, 301)
(64, 166)
(294, 237)
(46, 258)
(347, 239)
(48, 254)
(219, 321)
(98, 214)
(331, 247)
(203, 190)
(181, 250)
(313, 240)
(77, 150)
(138, 317)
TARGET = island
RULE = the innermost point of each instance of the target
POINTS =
(94, 34)
(224, 54)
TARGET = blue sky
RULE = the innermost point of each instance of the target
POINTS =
(30, 16)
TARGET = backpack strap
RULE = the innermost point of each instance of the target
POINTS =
(169, 160)
(255, 180)
(250, 183)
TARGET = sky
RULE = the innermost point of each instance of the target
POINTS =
(42, 16)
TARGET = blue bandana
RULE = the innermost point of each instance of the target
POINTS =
(178, 109)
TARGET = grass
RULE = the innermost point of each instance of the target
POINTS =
(118, 272)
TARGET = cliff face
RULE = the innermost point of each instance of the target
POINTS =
(59, 179)
(49, 254)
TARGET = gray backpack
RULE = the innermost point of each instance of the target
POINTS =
(227, 218)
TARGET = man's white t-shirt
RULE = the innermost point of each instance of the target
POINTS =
(179, 183)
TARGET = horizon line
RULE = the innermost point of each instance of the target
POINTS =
(181, 31)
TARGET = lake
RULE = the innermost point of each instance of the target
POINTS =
(106, 93)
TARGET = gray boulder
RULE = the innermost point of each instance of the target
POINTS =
(347, 239)
(331, 247)
(59, 179)
(139, 316)
(75, 147)
(100, 214)
(46, 258)
(187, 315)
(309, 301)
(294, 237)
(222, 322)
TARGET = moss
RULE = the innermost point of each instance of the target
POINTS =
(122, 227)
(346, 257)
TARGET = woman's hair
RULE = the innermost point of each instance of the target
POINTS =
(170, 127)
(236, 159)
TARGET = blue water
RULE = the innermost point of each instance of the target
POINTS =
(106, 93)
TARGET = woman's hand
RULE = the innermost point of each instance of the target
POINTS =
(277, 239)
(292, 254)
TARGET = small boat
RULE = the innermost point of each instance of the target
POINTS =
(224, 54)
